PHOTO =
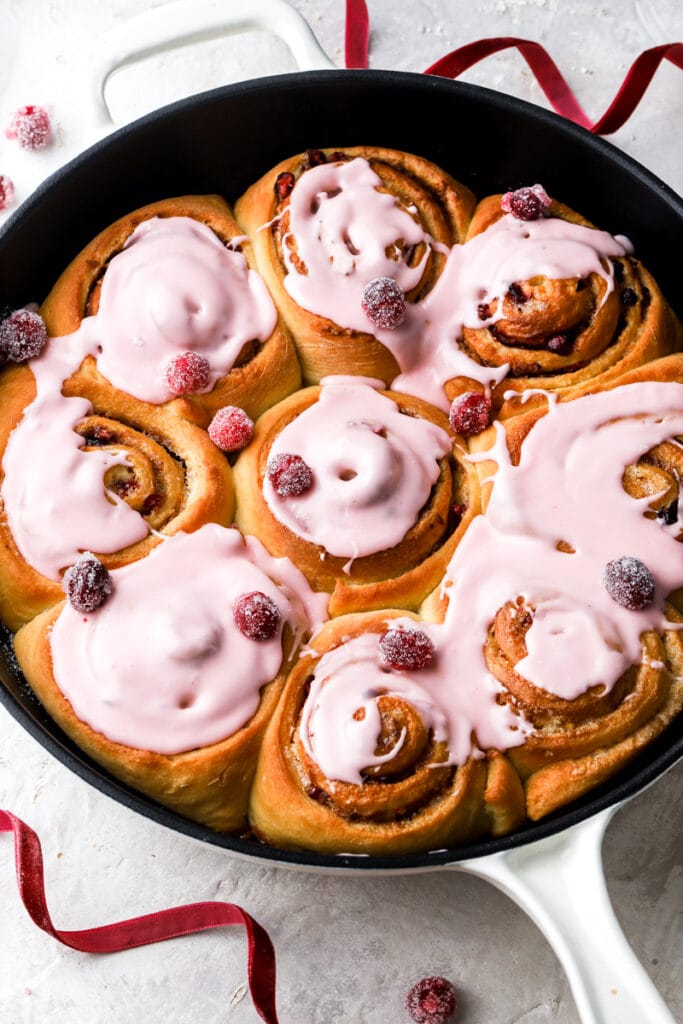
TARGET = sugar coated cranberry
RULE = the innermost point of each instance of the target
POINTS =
(87, 583)
(470, 413)
(629, 582)
(188, 373)
(284, 183)
(30, 126)
(289, 475)
(23, 336)
(256, 616)
(431, 1001)
(6, 191)
(384, 303)
(231, 429)
(528, 203)
(405, 650)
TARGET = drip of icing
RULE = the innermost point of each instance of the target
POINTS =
(176, 288)
(53, 492)
(350, 677)
(373, 469)
(481, 271)
(344, 229)
(568, 487)
(161, 665)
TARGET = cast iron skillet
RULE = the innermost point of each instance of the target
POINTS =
(222, 141)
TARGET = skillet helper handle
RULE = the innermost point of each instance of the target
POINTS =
(560, 883)
(191, 21)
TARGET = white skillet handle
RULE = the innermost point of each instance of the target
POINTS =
(191, 21)
(560, 883)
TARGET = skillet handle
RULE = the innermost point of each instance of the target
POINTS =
(560, 883)
(191, 21)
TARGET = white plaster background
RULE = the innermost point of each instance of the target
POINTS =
(348, 948)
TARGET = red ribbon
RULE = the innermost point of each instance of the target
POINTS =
(357, 36)
(141, 931)
(545, 70)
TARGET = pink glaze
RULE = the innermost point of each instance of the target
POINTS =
(350, 677)
(481, 271)
(373, 469)
(343, 229)
(568, 487)
(174, 288)
(161, 665)
(53, 492)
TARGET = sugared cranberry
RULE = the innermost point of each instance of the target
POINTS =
(289, 475)
(313, 158)
(431, 1001)
(470, 413)
(528, 203)
(256, 615)
(629, 582)
(87, 583)
(406, 650)
(23, 336)
(188, 373)
(384, 303)
(284, 183)
(6, 191)
(231, 429)
(629, 297)
(560, 344)
(30, 126)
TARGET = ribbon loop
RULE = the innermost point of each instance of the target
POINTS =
(147, 929)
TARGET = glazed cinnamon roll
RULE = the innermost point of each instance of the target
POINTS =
(166, 280)
(84, 466)
(367, 491)
(327, 224)
(170, 682)
(567, 591)
(568, 305)
(370, 748)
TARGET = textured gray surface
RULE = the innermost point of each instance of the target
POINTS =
(348, 948)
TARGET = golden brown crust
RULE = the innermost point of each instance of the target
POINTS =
(209, 785)
(264, 374)
(608, 334)
(400, 577)
(263, 778)
(443, 207)
(177, 478)
(417, 808)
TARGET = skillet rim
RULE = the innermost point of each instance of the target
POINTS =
(661, 755)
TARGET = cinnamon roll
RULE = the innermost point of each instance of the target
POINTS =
(170, 682)
(326, 224)
(567, 591)
(84, 466)
(367, 491)
(370, 748)
(173, 277)
(570, 305)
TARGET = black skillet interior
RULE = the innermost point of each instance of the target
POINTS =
(221, 142)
